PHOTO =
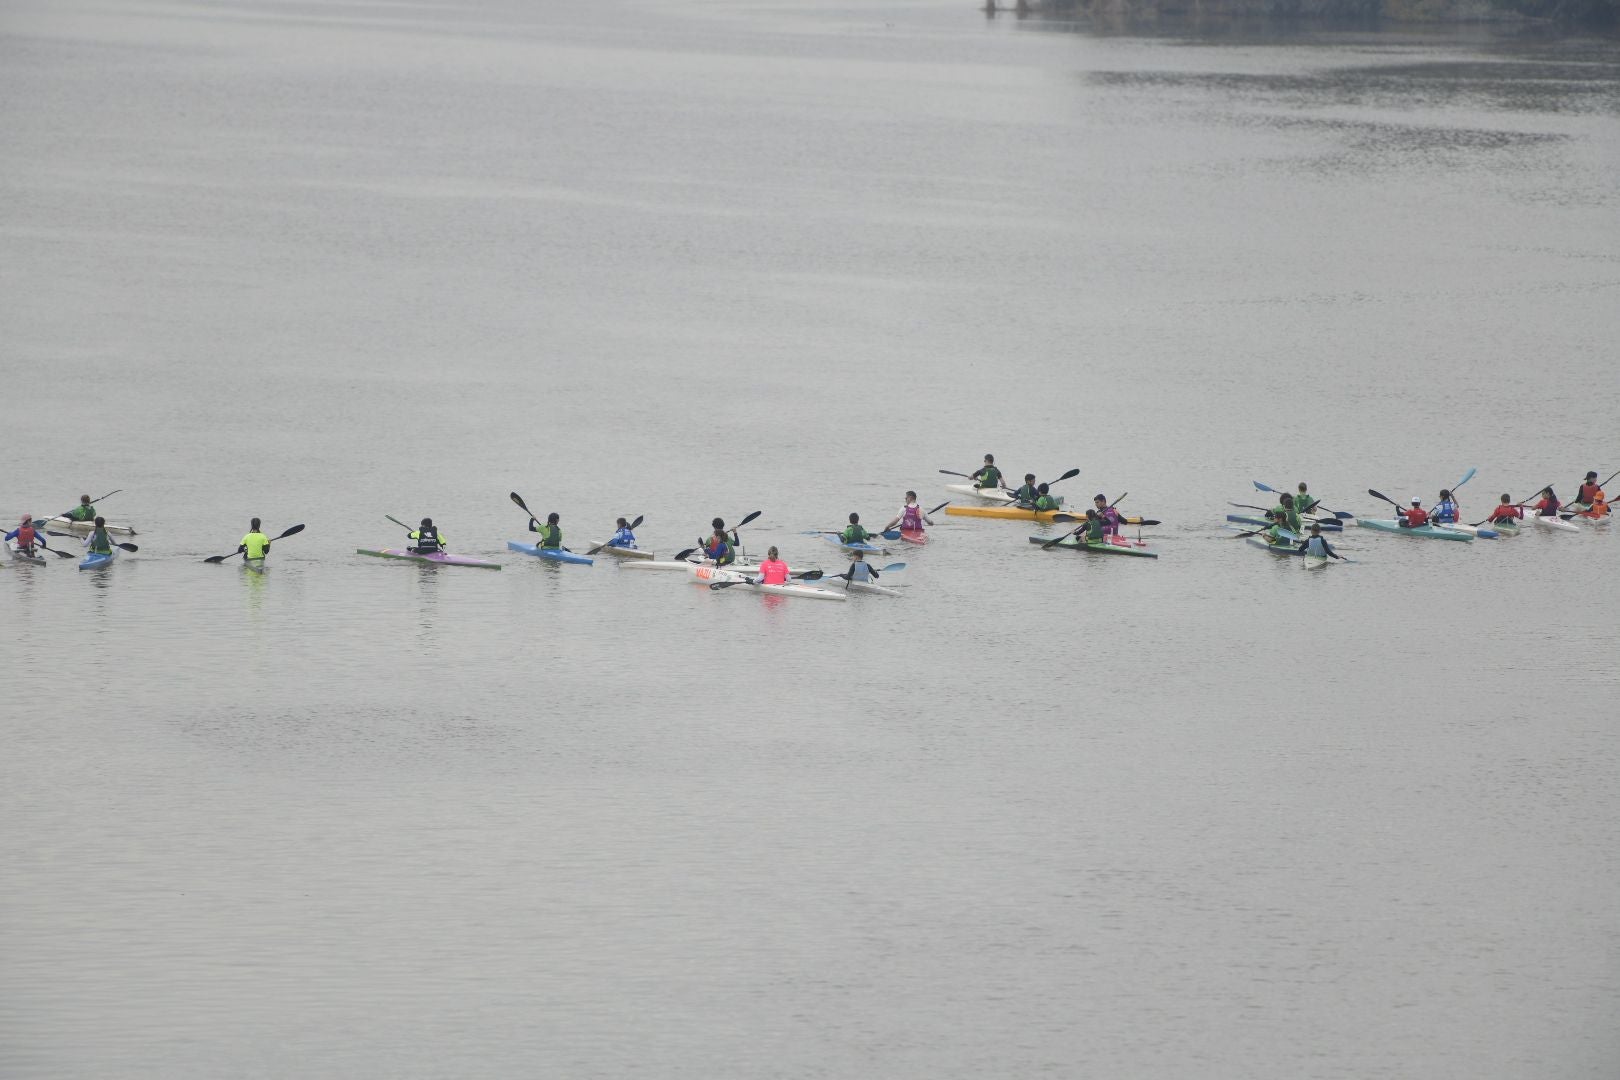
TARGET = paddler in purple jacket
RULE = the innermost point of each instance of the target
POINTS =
(1111, 517)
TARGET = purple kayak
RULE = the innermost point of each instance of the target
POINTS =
(438, 558)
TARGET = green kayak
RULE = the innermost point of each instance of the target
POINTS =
(1075, 544)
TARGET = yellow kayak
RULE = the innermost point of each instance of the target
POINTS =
(1018, 513)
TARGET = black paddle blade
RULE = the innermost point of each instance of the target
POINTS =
(294, 531)
(809, 575)
(636, 524)
(1066, 476)
(521, 504)
(61, 554)
(938, 508)
(129, 547)
(216, 558)
(746, 520)
(682, 555)
(1381, 495)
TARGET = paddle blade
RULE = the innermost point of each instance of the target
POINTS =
(1381, 495)
(129, 547)
(716, 586)
(294, 531)
(683, 555)
(521, 504)
(1071, 474)
(636, 524)
(809, 575)
(892, 534)
(1148, 521)
(216, 558)
(61, 554)
(1469, 475)
(746, 520)
(1262, 487)
(938, 508)
(893, 567)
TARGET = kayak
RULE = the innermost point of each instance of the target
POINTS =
(97, 561)
(1584, 513)
(913, 536)
(1556, 523)
(866, 587)
(255, 566)
(995, 495)
(1019, 513)
(438, 558)
(1072, 543)
(859, 545)
(64, 524)
(710, 575)
(1254, 519)
(622, 552)
(1290, 549)
(18, 556)
(667, 564)
(1484, 532)
(554, 554)
(1506, 528)
(1422, 532)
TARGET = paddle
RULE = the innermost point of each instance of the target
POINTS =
(875, 570)
(1342, 515)
(634, 525)
(534, 522)
(40, 523)
(1070, 517)
(1477, 524)
(294, 531)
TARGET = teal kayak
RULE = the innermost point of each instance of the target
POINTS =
(1075, 544)
(554, 554)
(1427, 532)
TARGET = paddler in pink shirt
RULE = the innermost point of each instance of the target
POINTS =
(773, 571)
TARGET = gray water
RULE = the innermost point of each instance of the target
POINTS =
(1209, 816)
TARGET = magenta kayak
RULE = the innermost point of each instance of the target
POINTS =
(438, 558)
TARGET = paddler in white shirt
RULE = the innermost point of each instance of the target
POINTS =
(910, 518)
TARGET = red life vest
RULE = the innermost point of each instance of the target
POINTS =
(1507, 513)
(1588, 493)
(25, 537)
(1415, 516)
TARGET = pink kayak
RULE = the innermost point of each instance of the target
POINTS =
(438, 558)
(914, 536)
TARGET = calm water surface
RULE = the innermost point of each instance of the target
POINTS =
(1210, 816)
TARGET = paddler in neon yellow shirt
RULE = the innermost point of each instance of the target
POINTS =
(550, 533)
(85, 511)
(426, 539)
(255, 545)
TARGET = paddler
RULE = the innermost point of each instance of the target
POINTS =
(854, 532)
(98, 542)
(255, 545)
(1286, 514)
(623, 538)
(425, 539)
(1549, 504)
(25, 536)
(1592, 497)
(550, 533)
(1414, 516)
(860, 569)
(1025, 496)
(731, 538)
(1278, 531)
(85, 511)
(1507, 510)
(1316, 544)
(988, 475)
(1305, 502)
(773, 571)
(1044, 500)
(911, 517)
(1111, 518)
(1446, 511)
(717, 549)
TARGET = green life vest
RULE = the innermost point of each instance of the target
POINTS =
(1095, 533)
(1289, 519)
(1045, 502)
(988, 477)
(1026, 494)
(81, 513)
(550, 536)
(100, 542)
(854, 534)
(1304, 503)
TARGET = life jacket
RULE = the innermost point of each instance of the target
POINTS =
(1588, 494)
(988, 477)
(427, 540)
(1316, 545)
(1026, 494)
(550, 536)
(1507, 513)
(100, 542)
(1415, 516)
(773, 572)
(911, 518)
(624, 538)
(81, 513)
(854, 534)
(1600, 507)
(1110, 521)
(1099, 529)
(1549, 506)
(720, 552)
(25, 538)
(860, 571)
(1045, 502)
(1446, 512)
(1304, 503)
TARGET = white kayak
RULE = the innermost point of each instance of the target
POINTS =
(621, 552)
(18, 556)
(863, 586)
(992, 495)
(666, 564)
(81, 528)
(1555, 523)
(710, 575)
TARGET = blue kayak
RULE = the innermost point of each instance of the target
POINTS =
(861, 545)
(554, 554)
(97, 561)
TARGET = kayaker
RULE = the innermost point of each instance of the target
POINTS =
(1286, 514)
(1304, 502)
(1025, 496)
(1415, 516)
(1446, 511)
(1589, 491)
(911, 517)
(1279, 532)
(854, 532)
(98, 542)
(1549, 504)
(773, 571)
(255, 545)
(732, 539)
(624, 538)
(1316, 544)
(988, 475)
(425, 539)
(860, 569)
(85, 511)
(1043, 498)
(550, 533)
(25, 536)
(1111, 518)
(1507, 510)
(717, 550)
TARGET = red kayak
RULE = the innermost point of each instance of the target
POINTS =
(914, 536)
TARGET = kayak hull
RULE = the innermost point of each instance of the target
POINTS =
(438, 558)
(1073, 544)
(97, 562)
(1255, 519)
(1556, 524)
(17, 556)
(862, 546)
(551, 554)
(82, 528)
(710, 575)
(913, 536)
(253, 566)
(868, 587)
(1483, 532)
(992, 495)
(1422, 532)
